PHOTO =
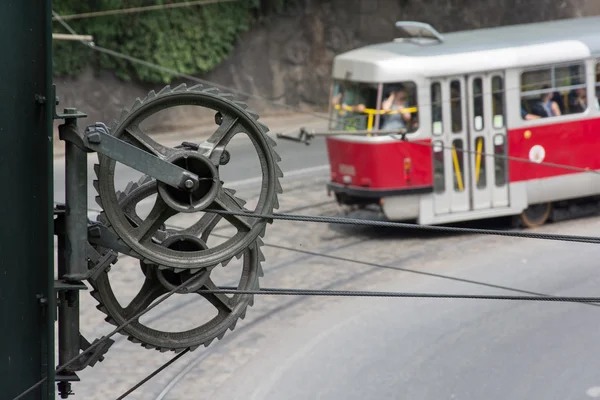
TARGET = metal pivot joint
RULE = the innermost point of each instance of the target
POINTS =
(98, 139)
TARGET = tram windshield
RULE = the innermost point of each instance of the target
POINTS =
(351, 102)
(370, 106)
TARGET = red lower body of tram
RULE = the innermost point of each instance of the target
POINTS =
(398, 176)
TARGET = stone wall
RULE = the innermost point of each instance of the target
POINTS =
(288, 58)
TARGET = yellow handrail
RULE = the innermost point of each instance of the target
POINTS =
(371, 112)
(478, 160)
(457, 171)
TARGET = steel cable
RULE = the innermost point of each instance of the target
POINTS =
(403, 225)
(361, 293)
(131, 10)
(153, 374)
(111, 334)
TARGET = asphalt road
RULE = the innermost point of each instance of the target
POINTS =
(446, 349)
(243, 170)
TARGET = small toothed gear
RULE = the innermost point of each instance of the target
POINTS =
(159, 281)
(203, 160)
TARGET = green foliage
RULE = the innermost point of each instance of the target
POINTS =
(190, 40)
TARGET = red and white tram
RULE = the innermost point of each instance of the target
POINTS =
(524, 91)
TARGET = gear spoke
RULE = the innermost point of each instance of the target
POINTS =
(202, 228)
(135, 136)
(150, 291)
(216, 143)
(221, 301)
(227, 202)
(157, 217)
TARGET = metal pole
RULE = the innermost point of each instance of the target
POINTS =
(26, 238)
(72, 257)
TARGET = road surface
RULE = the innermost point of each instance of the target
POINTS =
(348, 348)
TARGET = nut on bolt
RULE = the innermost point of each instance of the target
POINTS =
(93, 137)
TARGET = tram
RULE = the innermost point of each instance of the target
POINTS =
(486, 120)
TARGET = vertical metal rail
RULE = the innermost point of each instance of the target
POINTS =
(26, 240)
(72, 257)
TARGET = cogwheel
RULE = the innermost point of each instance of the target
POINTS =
(204, 160)
(158, 282)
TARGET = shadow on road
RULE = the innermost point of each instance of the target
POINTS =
(392, 233)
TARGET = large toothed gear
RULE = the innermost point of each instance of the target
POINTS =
(203, 160)
(158, 281)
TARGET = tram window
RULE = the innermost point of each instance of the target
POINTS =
(553, 91)
(436, 109)
(456, 106)
(480, 166)
(458, 163)
(399, 106)
(439, 178)
(498, 102)
(478, 104)
(353, 105)
(500, 160)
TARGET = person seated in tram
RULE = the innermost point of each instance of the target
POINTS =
(527, 116)
(577, 101)
(546, 107)
(352, 100)
(396, 103)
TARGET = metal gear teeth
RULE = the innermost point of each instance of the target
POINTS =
(211, 90)
(164, 90)
(278, 190)
(181, 88)
(241, 104)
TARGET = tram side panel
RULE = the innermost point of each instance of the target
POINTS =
(571, 143)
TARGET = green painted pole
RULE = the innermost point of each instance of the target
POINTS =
(26, 202)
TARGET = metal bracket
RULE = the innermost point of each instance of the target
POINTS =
(90, 359)
(69, 112)
(97, 138)
(100, 235)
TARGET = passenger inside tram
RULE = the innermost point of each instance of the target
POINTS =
(399, 107)
(349, 101)
(546, 106)
(396, 105)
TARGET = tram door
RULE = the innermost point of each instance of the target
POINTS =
(468, 125)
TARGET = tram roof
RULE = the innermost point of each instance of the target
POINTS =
(469, 51)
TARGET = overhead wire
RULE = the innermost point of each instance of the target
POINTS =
(103, 339)
(403, 225)
(363, 293)
(121, 11)
(153, 374)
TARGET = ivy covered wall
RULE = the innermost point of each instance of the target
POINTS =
(191, 40)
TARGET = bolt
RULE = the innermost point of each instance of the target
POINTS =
(225, 157)
(70, 110)
(93, 137)
(189, 183)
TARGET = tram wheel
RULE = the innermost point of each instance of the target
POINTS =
(536, 215)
